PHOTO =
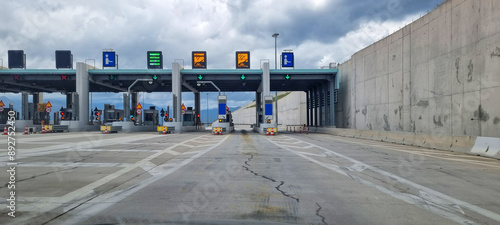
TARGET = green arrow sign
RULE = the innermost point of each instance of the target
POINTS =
(200, 77)
(155, 77)
(287, 77)
(243, 77)
(111, 77)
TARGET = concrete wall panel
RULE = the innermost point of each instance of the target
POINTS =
(436, 75)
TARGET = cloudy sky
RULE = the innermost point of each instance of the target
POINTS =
(318, 31)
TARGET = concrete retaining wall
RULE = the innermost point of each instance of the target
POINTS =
(439, 75)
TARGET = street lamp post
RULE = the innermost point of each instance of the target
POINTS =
(275, 36)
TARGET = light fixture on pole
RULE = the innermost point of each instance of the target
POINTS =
(275, 36)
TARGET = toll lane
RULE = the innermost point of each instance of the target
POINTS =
(201, 178)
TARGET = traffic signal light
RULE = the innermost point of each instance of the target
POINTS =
(62, 115)
(243, 77)
(132, 117)
(97, 115)
(166, 119)
(155, 77)
(268, 121)
(200, 77)
(198, 116)
(287, 77)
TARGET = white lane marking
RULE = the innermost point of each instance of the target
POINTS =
(311, 154)
(44, 138)
(432, 153)
(66, 164)
(87, 144)
(438, 202)
(119, 150)
(107, 200)
(88, 190)
(152, 168)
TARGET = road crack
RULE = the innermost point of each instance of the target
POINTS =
(278, 188)
(317, 214)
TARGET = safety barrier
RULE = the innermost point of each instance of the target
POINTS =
(110, 129)
(483, 146)
(165, 129)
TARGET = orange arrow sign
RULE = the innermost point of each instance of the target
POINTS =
(139, 106)
(48, 105)
(1, 103)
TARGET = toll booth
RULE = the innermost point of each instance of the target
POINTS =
(4, 115)
(111, 114)
(189, 118)
(151, 116)
(268, 124)
(41, 115)
(224, 121)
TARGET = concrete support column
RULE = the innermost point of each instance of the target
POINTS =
(326, 108)
(135, 100)
(69, 101)
(308, 101)
(266, 79)
(320, 105)
(177, 93)
(126, 107)
(332, 101)
(37, 98)
(24, 106)
(258, 107)
(315, 91)
(82, 88)
(197, 103)
(311, 107)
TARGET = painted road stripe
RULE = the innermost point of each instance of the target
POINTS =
(105, 201)
(66, 164)
(435, 202)
(75, 198)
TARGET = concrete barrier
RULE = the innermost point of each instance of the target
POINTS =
(482, 146)
(462, 144)
(487, 146)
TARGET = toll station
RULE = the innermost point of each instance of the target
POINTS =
(77, 84)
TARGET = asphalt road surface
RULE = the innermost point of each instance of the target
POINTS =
(244, 178)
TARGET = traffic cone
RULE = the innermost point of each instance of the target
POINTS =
(164, 131)
(26, 130)
(106, 130)
(43, 129)
(272, 133)
(5, 131)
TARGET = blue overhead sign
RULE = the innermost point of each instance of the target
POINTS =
(287, 59)
(108, 59)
